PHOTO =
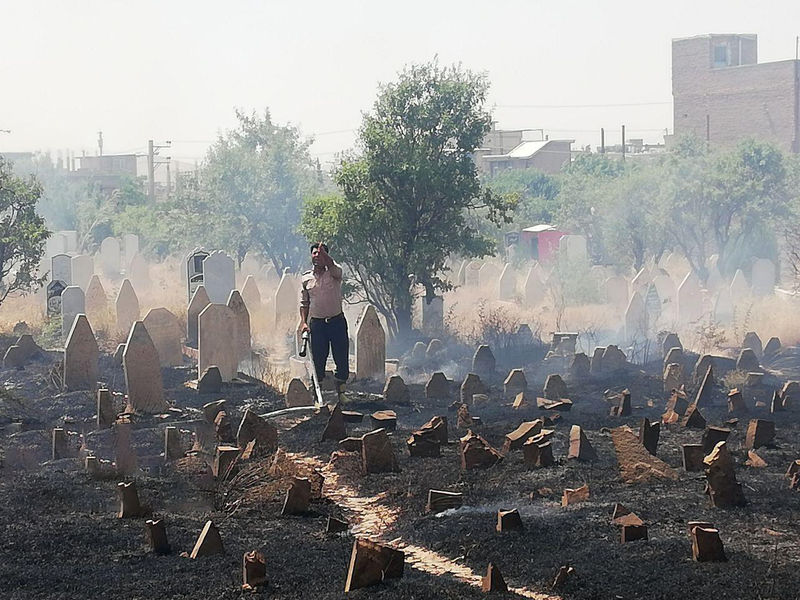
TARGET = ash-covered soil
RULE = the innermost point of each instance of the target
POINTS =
(61, 537)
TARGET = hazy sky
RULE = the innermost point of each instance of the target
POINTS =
(140, 69)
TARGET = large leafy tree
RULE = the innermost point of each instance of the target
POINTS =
(407, 194)
(22, 233)
(720, 202)
(251, 190)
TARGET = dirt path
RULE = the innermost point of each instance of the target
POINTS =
(371, 517)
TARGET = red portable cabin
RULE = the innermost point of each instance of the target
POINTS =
(540, 242)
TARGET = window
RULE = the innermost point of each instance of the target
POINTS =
(721, 56)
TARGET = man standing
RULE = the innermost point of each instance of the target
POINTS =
(321, 314)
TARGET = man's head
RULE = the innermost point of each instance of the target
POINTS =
(315, 251)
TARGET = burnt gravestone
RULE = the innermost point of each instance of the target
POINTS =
(143, 372)
(80, 356)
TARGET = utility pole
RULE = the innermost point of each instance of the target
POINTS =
(100, 142)
(623, 142)
(152, 151)
(602, 141)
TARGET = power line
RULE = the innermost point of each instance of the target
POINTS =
(581, 105)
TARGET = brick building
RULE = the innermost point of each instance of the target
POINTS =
(722, 94)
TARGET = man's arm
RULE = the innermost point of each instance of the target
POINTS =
(334, 269)
(305, 303)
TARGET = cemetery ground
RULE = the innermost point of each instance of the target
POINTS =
(61, 537)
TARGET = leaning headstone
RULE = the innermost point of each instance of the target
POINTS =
(242, 324)
(515, 383)
(72, 304)
(675, 355)
(580, 368)
(298, 497)
(507, 284)
(138, 271)
(370, 346)
(690, 300)
(198, 302)
(371, 563)
(210, 381)
(493, 581)
(747, 361)
(80, 356)
(251, 295)
(579, 446)
(739, 288)
(127, 307)
(707, 545)
(105, 409)
(483, 362)
(216, 341)
(636, 319)
(96, 300)
(143, 372)
(129, 505)
(488, 275)
(165, 332)
(533, 288)
(772, 348)
(752, 341)
(209, 542)
(219, 276)
(759, 433)
(157, 536)
(636, 464)
(673, 377)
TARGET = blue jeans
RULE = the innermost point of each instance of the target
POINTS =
(326, 337)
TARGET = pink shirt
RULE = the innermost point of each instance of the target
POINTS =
(322, 293)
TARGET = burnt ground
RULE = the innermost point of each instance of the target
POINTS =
(61, 538)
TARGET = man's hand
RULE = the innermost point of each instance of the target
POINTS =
(324, 257)
(304, 327)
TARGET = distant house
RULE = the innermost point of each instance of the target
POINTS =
(547, 156)
(540, 242)
(722, 94)
(504, 149)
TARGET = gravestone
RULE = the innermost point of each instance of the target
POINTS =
(219, 276)
(82, 270)
(573, 248)
(534, 288)
(217, 341)
(72, 304)
(251, 295)
(127, 307)
(752, 341)
(96, 300)
(690, 300)
(192, 269)
(370, 346)
(241, 324)
(297, 394)
(667, 292)
(61, 268)
(471, 277)
(80, 356)
(138, 272)
(55, 244)
(110, 261)
(723, 307)
(130, 244)
(616, 291)
(433, 314)
(54, 290)
(285, 301)
(488, 275)
(196, 305)
(636, 319)
(143, 372)
(507, 284)
(165, 332)
(739, 288)
(251, 265)
(483, 362)
(762, 277)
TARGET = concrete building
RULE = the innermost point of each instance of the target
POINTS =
(722, 94)
(504, 149)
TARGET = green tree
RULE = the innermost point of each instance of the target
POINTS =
(251, 190)
(407, 195)
(720, 202)
(537, 193)
(22, 232)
